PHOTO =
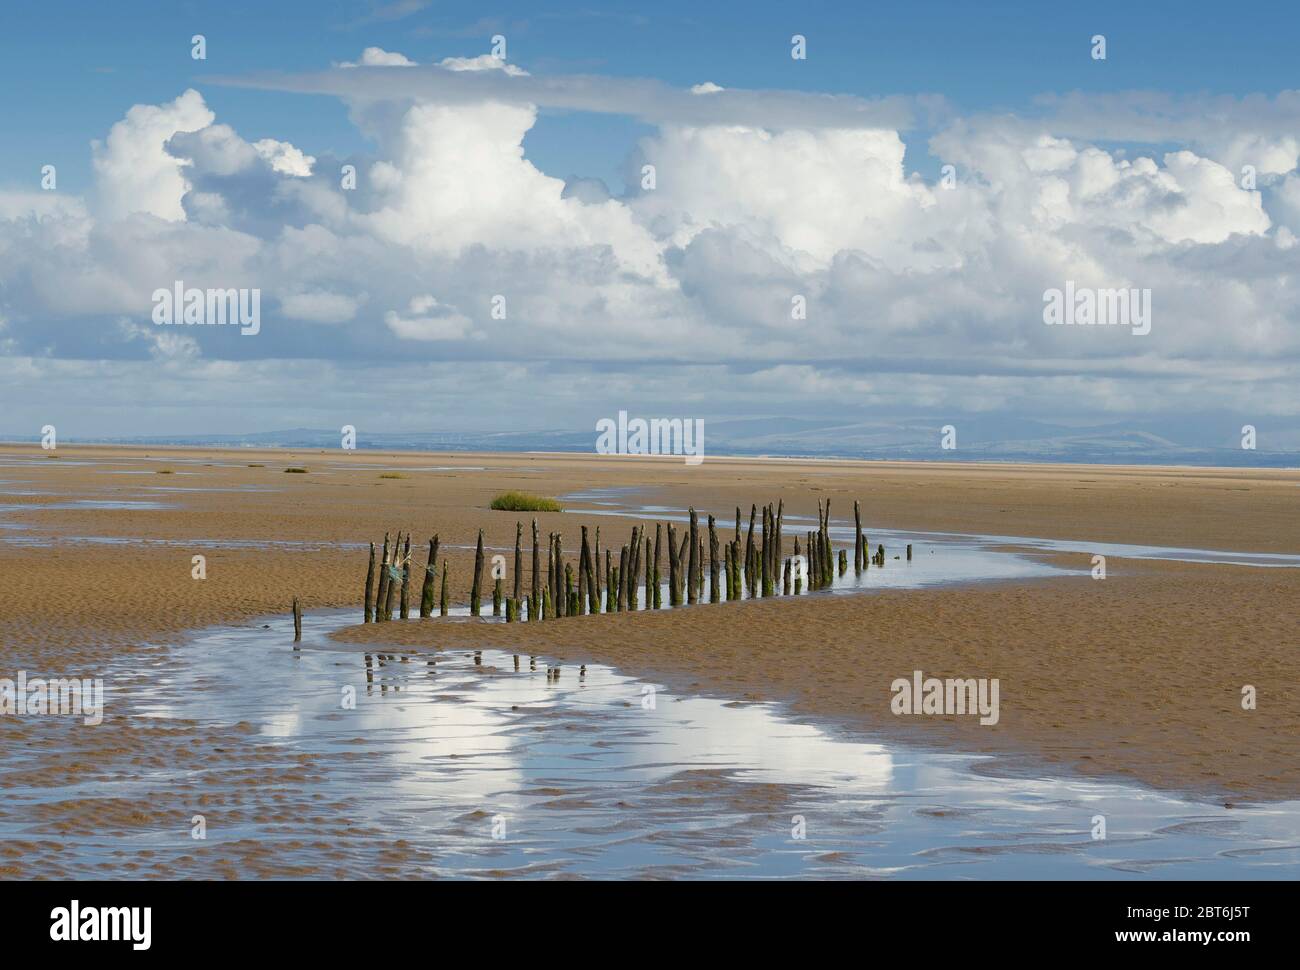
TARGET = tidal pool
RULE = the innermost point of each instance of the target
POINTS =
(455, 765)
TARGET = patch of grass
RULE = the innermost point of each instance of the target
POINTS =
(524, 502)
(392, 475)
(295, 471)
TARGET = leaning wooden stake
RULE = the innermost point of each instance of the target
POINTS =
(370, 587)
(297, 621)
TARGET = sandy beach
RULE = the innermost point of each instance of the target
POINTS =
(1139, 675)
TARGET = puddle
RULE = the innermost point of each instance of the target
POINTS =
(583, 777)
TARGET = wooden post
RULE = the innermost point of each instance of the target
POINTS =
(844, 561)
(909, 552)
(593, 582)
(622, 580)
(609, 584)
(297, 621)
(749, 551)
(715, 593)
(406, 578)
(390, 598)
(442, 606)
(633, 567)
(691, 564)
(382, 593)
(672, 565)
(880, 554)
(496, 597)
(533, 612)
(859, 553)
(476, 587)
(582, 575)
(682, 578)
(658, 595)
(785, 580)
(519, 561)
(569, 594)
(369, 607)
(596, 566)
(650, 587)
(560, 597)
(426, 589)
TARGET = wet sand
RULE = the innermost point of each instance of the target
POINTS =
(1137, 676)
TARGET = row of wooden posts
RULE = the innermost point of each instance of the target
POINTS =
(735, 571)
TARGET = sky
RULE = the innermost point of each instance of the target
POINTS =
(500, 261)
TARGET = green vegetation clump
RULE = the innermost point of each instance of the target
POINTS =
(524, 502)
(295, 471)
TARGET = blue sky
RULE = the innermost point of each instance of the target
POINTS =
(69, 66)
(1169, 168)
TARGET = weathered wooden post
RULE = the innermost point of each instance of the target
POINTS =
(519, 564)
(593, 583)
(570, 595)
(610, 593)
(496, 596)
(443, 603)
(582, 575)
(649, 577)
(382, 593)
(369, 607)
(596, 574)
(672, 566)
(623, 576)
(633, 568)
(535, 601)
(406, 578)
(693, 532)
(859, 553)
(390, 599)
(426, 588)
(476, 587)
(880, 554)
(297, 621)
(750, 578)
(909, 552)
(844, 561)
(785, 579)
(715, 593)
(658, 594)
